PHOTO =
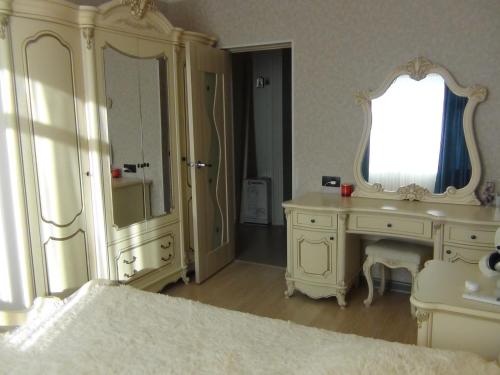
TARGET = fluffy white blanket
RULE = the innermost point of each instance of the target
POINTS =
(120, 330)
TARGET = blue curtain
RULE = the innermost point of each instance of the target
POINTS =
(454, 163)
(365, 164)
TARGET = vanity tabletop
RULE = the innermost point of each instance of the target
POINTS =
(440, 285)
(458, 213)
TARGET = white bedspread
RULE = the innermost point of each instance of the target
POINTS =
(120, 330)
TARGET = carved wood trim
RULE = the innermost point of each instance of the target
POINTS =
(139, 7)
(422, 317)
(419, 67)
(412, 192)
(436, 227)
(88, 35)
(453, 256)
(4, 23)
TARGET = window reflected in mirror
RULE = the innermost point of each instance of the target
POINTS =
(417, 137)
(137, 116)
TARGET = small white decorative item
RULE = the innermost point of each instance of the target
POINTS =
(489, 265)
(488, 194)
(471, 286)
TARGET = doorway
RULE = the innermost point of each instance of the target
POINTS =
(262, 110)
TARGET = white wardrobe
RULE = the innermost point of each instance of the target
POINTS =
(98, 113)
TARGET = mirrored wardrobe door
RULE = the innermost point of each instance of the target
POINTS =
(123, 102)
(155, 135)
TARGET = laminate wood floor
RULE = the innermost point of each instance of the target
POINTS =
(258, 289)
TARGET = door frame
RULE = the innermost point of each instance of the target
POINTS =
(285, 44)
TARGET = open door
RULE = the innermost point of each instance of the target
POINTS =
(210, 143)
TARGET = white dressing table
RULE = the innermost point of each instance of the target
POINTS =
(446, 320)
(323, 229)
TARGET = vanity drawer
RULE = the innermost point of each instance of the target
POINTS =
(314, 220)
(456, 254)
(478, 236)
(151, 255)
(391, 225)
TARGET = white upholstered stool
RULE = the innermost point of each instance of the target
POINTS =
(393, 254)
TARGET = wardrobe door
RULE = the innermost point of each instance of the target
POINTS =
(47, 59)
(123, 117)
(210, 142)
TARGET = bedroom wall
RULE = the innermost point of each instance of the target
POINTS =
(340, 47)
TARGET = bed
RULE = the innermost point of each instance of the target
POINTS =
(105, 329)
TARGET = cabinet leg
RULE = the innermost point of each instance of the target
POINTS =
(185, 277)
(290, 289)
(341, 299)
(367, 271)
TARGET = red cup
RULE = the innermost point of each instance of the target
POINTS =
(346, 190)
(116, 172)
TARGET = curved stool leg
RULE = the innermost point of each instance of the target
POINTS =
(413, 276)
(383, 279)
(367, 271)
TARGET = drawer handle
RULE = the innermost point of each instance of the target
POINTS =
(389, 225)
(129, 276)
(332, 238)
(448, 251)
(313, 221)
(473, 237)
(498, 247)
(166, 246)
(167, 259)
(130, 261)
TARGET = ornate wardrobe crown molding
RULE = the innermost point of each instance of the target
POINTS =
(139, 7)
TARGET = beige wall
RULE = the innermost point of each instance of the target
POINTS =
(340, 47)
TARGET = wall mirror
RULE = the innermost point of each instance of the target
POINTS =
(418, 141)
(137, 117)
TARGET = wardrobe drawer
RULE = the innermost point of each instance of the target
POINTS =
(314, 220)
(390, 225)
(478, 236)
(144, 258)
(457, 254)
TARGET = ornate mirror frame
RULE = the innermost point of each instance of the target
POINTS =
(418, 69)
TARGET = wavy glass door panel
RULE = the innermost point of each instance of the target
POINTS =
(210, 150)
(210, 138)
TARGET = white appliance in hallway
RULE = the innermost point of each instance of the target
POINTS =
(256, 201)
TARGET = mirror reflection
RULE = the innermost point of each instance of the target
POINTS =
(137, 114)
(417, 137)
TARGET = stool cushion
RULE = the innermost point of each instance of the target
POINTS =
(399, 250)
